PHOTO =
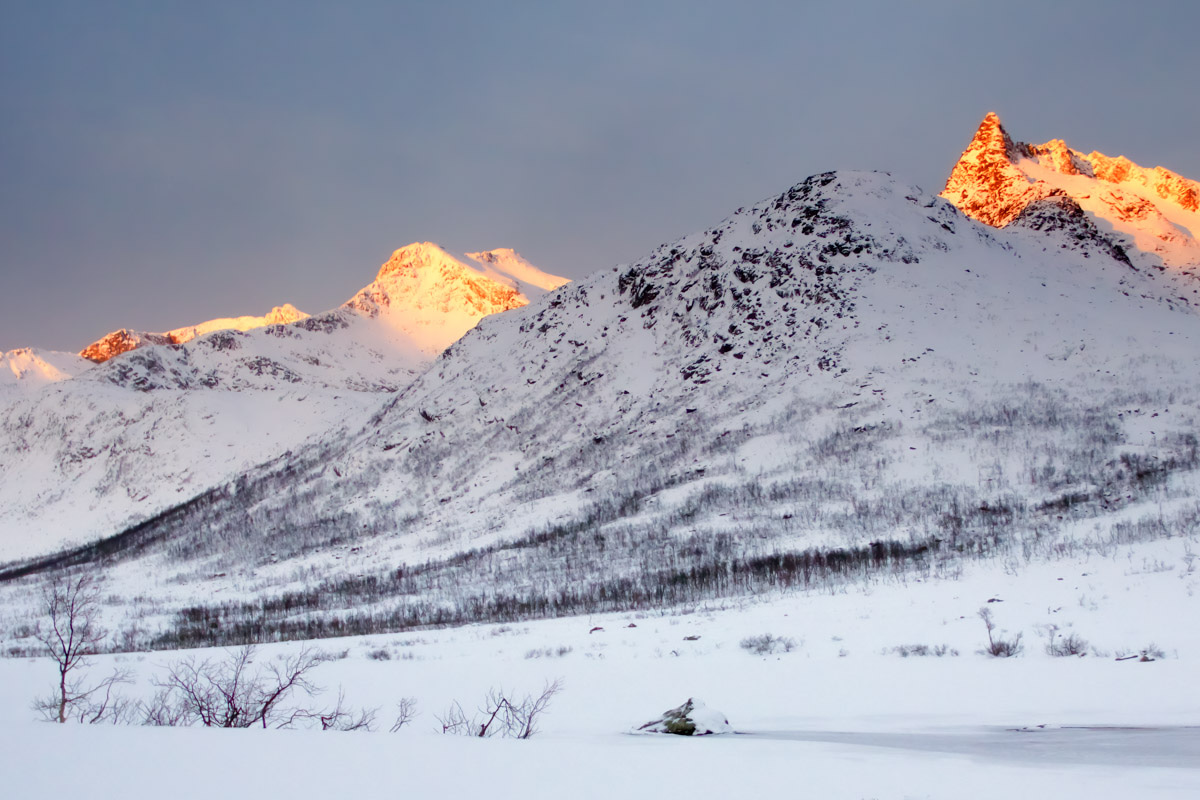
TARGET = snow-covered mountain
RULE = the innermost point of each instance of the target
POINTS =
(851, 368)
(1156, 211)
(88, 450)
(29, 367)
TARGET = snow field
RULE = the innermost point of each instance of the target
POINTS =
(897, 717)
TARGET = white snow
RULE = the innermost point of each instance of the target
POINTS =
(842, 715)
(29, 368)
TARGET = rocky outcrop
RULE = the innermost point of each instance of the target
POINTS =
(693, 718)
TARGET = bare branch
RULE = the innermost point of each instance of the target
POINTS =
(500, 716)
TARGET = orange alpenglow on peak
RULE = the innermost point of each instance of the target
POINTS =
(997, 178)
(124, 340)
(423, 275)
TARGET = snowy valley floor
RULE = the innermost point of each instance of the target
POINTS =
(841, 715)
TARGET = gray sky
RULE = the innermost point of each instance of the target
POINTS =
(163, 163)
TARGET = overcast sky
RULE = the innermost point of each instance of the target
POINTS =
(163, 163)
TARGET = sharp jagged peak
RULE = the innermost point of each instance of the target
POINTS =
(998, 177)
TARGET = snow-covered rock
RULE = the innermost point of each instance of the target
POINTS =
(693, 718)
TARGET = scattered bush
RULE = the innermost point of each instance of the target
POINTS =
(768, 644)
(998, 646)
(406, 711)
(500, 716)
(906, 650)
(549, 652)
(230, 694)
(1070, 645)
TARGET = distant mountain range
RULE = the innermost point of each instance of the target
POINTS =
(854, 374)
(86, 448)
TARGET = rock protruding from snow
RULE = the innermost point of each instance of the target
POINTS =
(118, 342)
(997, 178)
(985, 183)
(124, 340)
(693, 718)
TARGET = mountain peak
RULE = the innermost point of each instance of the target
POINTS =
(997, 177)
(991, 136)
(436, 297)
(422, 276)
(985, 185)
(418, 255)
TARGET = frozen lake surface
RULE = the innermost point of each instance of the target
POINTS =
(1108, 745)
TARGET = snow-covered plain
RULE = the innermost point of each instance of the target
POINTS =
(842, 714)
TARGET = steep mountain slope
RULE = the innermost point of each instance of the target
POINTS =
(1157, 211)
(85, 457)
(850, 376)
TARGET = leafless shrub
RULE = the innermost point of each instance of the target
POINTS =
(163, 711)
(341, 718)
(906, 650)
(767, 644)
(998, 646)
(406, 711)
(549, 652)
(230, 693)
(1070, 645)
(500, 716)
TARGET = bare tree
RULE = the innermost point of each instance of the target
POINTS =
(71, 636)
(500, 716)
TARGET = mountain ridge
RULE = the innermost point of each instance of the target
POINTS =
(1153, 211)
(852, 364)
